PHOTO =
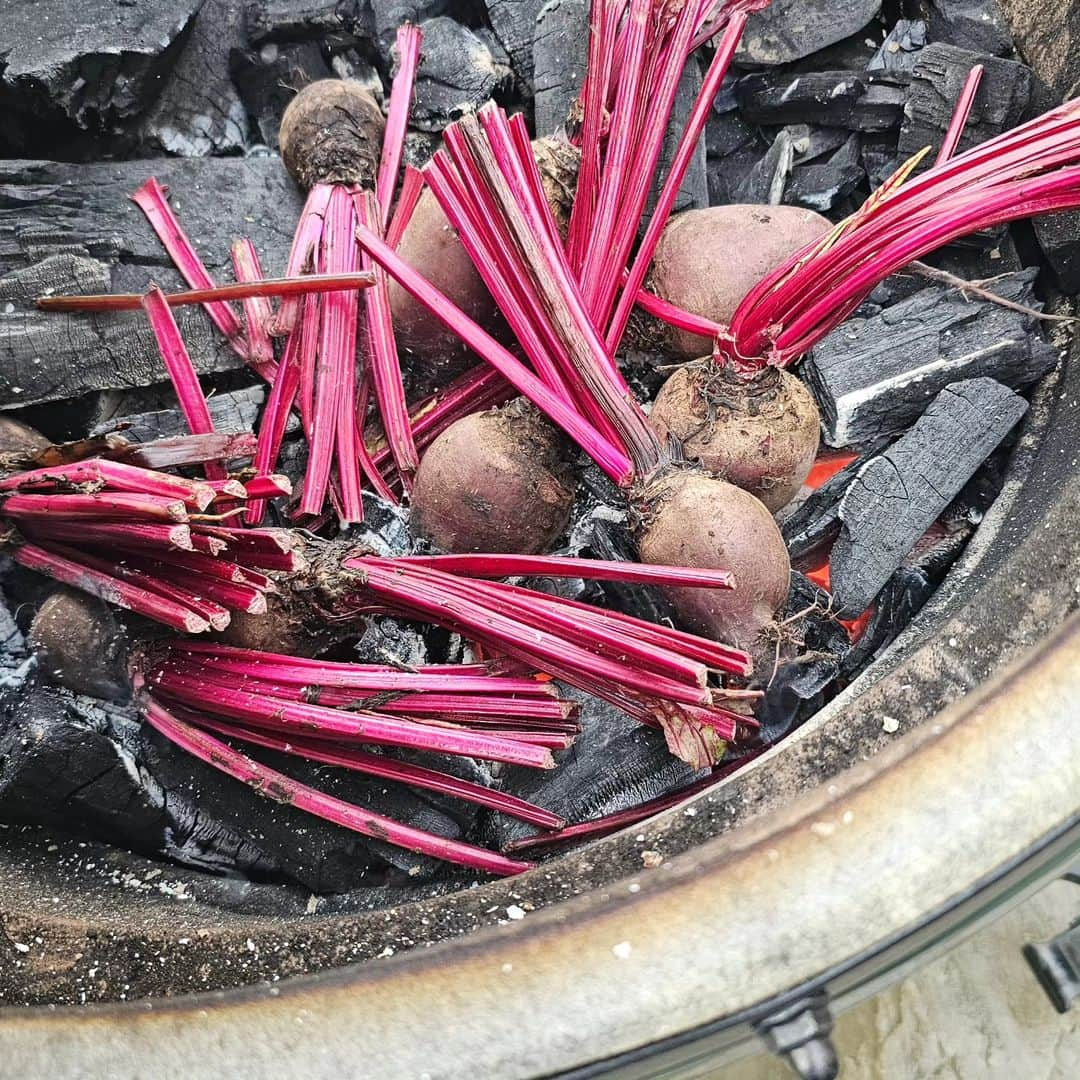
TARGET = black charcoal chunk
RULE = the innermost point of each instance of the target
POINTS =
(694, 190)
(17, 662)
(846, 99)
(514, 23)
(73, 228)
(232, 413)
(809, 660)
(329, 21)
(269, 77)
(457, 74)
(90, 67)
(727, 132)
(1059, 238)
(616, 763)
(559, 51)
(897, 495)
(879, 156)
(936, 84)
(199, 110)
(901, 47)
(790, 29)
(873, 376)
(824, 184)
(765, 182)
(972, 24)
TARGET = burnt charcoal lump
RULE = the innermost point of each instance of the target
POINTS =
(873, 376)
(514, 23)
(790, 29)
(845, 99)
(91, 67)
(199, 111)
(1059, 238)
(333, 22)
(972, 24)
(936, 83)
(897, 495)
(901, 47)
(457, 74)
(559, 52)
(73, 228)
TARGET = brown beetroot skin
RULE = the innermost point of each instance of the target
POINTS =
(761, 433)
(694, 519)
(709, 259)
(496, 481)
(432, 354)
(332, 133)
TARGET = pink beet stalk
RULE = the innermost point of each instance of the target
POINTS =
(187, 450)
(382, 355)
(397, 118)
(63, 565)
(181, 371)
(412, 185)
(257, 311)
(150, 199)
(675, 316)
(104, 505)
(281, 788)
(960, 115)
(302, 255)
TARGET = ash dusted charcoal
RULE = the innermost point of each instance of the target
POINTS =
(977, 25)
(232, 412)
(614, 764)
(898, 494)
(457, 74)
(873, 376)
(823, 184)
(936, 83)
(269, 77)
(790, 29)
(333, 22)
(17, 660)
(514, 23)
(845, 99)
(199, 110)
(90, 68)
(60, 220)
(727, 132)
(765, 182)
(901, 47)
(559, 51)
(388, 15)
(1059, 238)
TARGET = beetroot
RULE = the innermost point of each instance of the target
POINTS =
(331, 133)
(494, 481)
(707, 260)
(693, 519)
(758, 431)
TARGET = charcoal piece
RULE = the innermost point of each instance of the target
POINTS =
(388, 15)
(898, 494)
(694, 190)
(270, 76)
(328, 21)
(764, 184)
(614, 764)
(559, 52)
(91, 67)
(977, 25)
(811, 143)
(17, 661)
(791, 29)
(457, 75)
(879, 156)
(822, 185)
(385, 528)
(515, 23)
(937, 81)
(811, 652)
(199, 110)
(904, 594)
(232, 412)
(873, 377)
(901, 47)
(816, 520)
(1059, 238)
(388, 641)
(726, 132)
(846, 99)
(72, 228)
(727, 175)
